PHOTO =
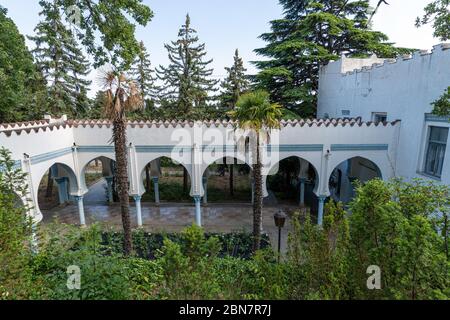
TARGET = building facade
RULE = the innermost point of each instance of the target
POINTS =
(68, 146)
(403, 89)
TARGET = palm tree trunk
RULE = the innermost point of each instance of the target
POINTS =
(257, 203)
(119, 133)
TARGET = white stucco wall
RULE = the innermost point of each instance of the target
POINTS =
(402, 88)
(73, 144)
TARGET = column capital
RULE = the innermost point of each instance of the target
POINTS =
(322, 197)
(137, 197)
(78, 198)
(155, 179)
(197, 198)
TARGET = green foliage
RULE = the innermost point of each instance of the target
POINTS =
(392, 227)
(441, 106)
(142, 72)
(320, 256)
(148, 245)
(113, 22)
(234, 84)
(15, 233)
(390, 224)
(61, 62)
(255, 111)
(22, 93)
(186, 81)
(312, 33)
(437, 12)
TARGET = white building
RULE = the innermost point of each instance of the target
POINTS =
(381, 127)
(396, 89)
(68, 146)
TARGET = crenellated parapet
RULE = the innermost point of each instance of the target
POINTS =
(351, 66)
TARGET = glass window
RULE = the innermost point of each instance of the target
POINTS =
(437, 144)
(379, 117)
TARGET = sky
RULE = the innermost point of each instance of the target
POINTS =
(234, 24)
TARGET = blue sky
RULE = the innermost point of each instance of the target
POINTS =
(227, 25)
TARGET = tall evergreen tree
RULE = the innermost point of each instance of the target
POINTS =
(312, 33)
(142, 72)
(186, 80)
(22, 90)
(61, 61)
(235, 83)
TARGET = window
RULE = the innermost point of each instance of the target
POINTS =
(437, 143)
(379, 117)
(345, 112)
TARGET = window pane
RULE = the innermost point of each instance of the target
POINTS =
(439, 134)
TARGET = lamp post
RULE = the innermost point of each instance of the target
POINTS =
(280, 219)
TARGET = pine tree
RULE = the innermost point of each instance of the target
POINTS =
(142, 72)
(96, 111)
(186, 79)
(312, 33)
(61, 61)
(235, 83)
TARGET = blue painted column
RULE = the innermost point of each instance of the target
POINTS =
(109, 181)
(198, 210)
(63, 192)
(80, 203)
(137, 200)
(156, 187)
(302, 191)
(205, 188)
(320, 210)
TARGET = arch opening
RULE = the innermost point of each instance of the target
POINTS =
(166, 181)
(228, 180)
(342, 178)
(55, 188)
(293, 181)
(98, 179)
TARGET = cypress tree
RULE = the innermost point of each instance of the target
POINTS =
(235, 83)
(186, 80)
(142, 72)
(312, 33)
(61, 62)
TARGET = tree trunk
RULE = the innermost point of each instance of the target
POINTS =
(119, 133)
(49, 191)
(147, 179)
(231, 180)
(185, 182)
(257, 203)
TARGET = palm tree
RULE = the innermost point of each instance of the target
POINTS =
(121, 95)
(254, 112)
